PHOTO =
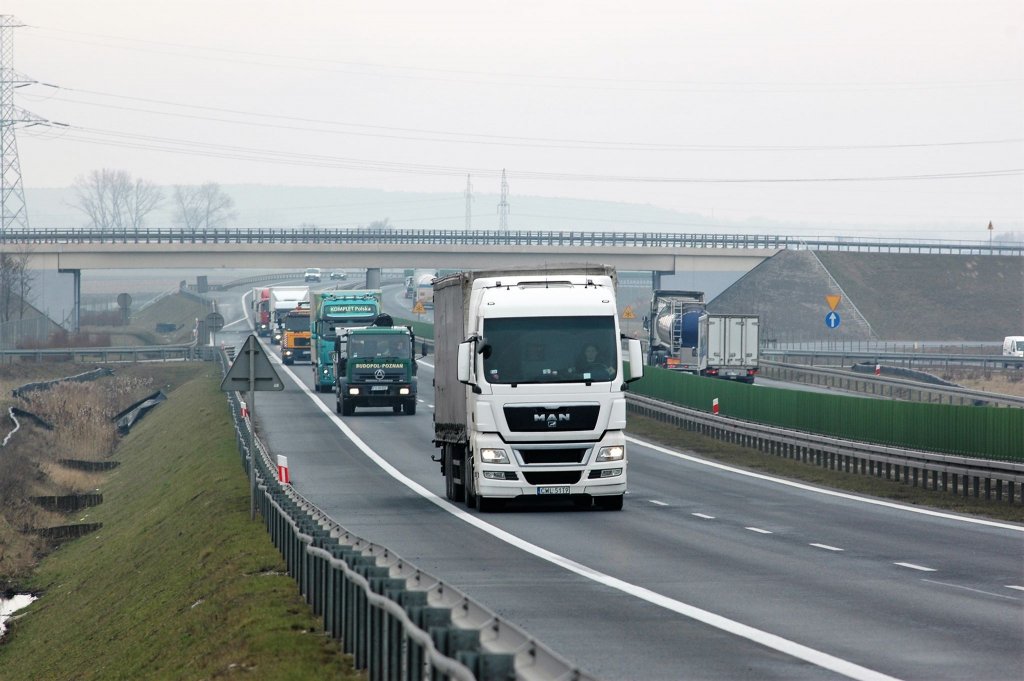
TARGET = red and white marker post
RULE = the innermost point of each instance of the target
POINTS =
(282, 470)
(714, 406)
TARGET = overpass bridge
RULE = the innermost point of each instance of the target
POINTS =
(74, 250)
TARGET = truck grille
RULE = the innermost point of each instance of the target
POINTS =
(553, 478)
(543, 419)
(542, 456)
(393, 376)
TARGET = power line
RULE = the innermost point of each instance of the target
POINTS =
(508, 140)
(171, 145)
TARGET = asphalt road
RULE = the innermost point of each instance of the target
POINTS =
(708, 572)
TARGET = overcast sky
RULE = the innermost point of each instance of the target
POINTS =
(891, 117)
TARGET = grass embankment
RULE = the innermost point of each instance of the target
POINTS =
(179, 310)
(751, 459)
(178, 583)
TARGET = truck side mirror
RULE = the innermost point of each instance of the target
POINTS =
(465, 365)
(342, 365)
(636, 360)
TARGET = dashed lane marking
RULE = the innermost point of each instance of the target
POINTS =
(914, 566)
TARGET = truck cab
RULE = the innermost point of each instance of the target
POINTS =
(376, 367)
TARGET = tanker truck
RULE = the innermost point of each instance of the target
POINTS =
(529, 385)
(678, 328)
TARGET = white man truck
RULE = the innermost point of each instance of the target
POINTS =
(519, 410)
(733, 347)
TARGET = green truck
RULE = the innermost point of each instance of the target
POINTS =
(331, 311)
(376, 367)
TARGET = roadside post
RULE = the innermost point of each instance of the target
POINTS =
(251, 371)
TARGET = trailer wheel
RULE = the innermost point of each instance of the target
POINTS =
(612, 503)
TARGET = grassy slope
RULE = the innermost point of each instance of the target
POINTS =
(179, 583)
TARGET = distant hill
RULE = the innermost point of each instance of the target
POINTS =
(886, 296)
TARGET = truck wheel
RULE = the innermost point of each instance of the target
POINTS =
(487, 504)
(458, 488)
(347, 408)
(467, 481)
(337, 406)
(409, 407)
(612, 503)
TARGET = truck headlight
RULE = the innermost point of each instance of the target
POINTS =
(353, 391)
(613, 453)
(326, 371)
(288, 353)
(493, 456)
(403, 391)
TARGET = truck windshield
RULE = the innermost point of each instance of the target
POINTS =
(390, 346)
(550, 349)
(296, 323)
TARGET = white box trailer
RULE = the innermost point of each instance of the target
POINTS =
(733, 347)
(529, 385)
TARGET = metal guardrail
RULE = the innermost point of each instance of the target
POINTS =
(881, 386)
(905, 359)
(127, 353)
(568, 239)
(965, 476)
(396, 621)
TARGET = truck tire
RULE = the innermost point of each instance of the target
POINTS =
(467, 481)
(456, 454)
(612, 503)
(347, 408)
(337, 406)
(396, 407)
(409, 407)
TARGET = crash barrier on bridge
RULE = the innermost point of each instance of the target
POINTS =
(992, 480)
(396, 621)
(911, 359)
(983, 432)
(899, 387)
(483, 237)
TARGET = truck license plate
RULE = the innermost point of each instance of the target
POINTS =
(561, 489)
(378, 387)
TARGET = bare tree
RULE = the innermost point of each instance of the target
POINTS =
(111, 199)
(16, 281)
(205, 206)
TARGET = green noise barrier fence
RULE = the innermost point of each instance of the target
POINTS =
(983, 432)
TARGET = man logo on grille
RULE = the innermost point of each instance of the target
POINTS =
(379, 374)
(551, 419)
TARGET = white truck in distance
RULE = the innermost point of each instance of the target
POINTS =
(733, 347)
(529, 385)
(284, 299)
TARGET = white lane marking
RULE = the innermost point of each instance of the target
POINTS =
(657, 503)
(967, 588)
(913, 566)
(827, 492)
(705, 516)
(758, 530)
(1014, 586)
(764, 638)
(827, 547)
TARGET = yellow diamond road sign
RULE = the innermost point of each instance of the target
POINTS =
(833, 301)
(628, 313)
(418, 308)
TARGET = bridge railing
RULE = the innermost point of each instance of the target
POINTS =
(512, 238)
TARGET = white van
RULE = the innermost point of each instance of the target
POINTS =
(1013, 346)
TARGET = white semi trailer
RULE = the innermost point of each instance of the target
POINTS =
(733, 347)
(523, 407)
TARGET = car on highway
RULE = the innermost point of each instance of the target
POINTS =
(338, 274)
(312, 274)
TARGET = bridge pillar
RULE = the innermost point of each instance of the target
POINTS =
(372, 277)
(657, 276)
(76, 287)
